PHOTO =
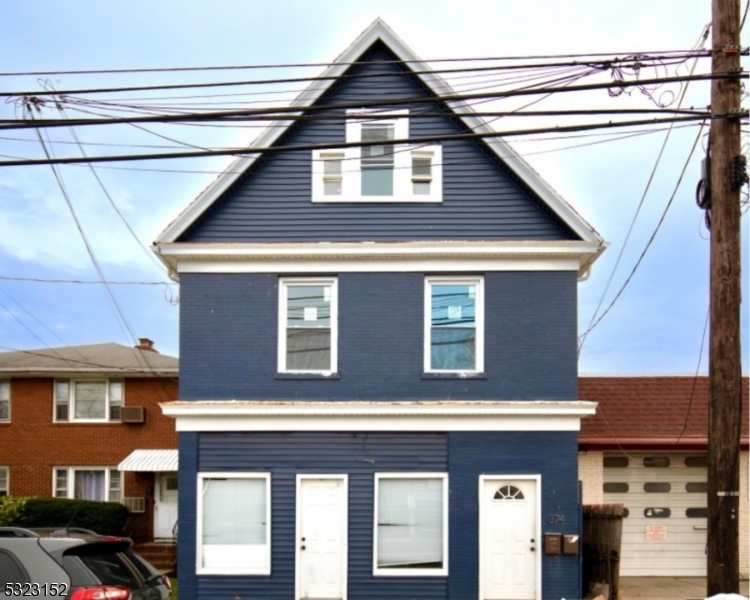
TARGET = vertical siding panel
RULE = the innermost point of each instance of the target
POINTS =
(186, 489)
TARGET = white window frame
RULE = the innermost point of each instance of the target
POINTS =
(351, 166)
(71, 400)
(5, 491)
(70, 481)
(201, 570)
(5, 384)
(478, 281)
(284, 284)
(379, 572)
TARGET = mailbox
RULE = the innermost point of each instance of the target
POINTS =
(570, 544)
(552, 543)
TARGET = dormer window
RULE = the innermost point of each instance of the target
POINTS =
(380, 170)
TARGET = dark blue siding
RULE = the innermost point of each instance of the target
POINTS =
(554, 456)
(465, 456)
(228, 338)
(482, 198)
(359, 455)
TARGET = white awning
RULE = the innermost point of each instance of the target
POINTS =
(152, 461)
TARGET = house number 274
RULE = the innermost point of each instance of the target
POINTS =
(556, 519)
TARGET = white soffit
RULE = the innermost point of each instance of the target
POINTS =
(150, 461)
(380, 31)
(337, 257)
(235, 415)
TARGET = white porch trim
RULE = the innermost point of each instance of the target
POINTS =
(238, 415)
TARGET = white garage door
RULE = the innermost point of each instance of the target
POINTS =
(664, 532)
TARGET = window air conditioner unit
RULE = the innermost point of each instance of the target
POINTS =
(133, 414)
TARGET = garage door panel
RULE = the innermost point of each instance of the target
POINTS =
(659, 545)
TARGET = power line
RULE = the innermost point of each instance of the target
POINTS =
(650, 241)
(293, 112)
(84, 281)
(326, 64)
(340, 145)
(701, 40)
(603, 64)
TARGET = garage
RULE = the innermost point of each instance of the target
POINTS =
(664, 530)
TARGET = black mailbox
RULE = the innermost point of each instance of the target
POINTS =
(552, 543)
(570, 544)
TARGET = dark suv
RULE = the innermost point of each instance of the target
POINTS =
(76, 565)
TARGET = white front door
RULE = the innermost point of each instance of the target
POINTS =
(321, 537)
(165, 506)
(509, 540)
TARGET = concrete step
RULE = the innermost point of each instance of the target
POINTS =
(161, 556)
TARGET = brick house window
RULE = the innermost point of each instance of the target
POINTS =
(88, 483)
(4, 481)
(90, 401)
(4, 400)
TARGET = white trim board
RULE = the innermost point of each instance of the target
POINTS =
(378, 30)
(232, 415)
(370, 257)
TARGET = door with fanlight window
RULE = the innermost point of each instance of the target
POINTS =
(509, 539)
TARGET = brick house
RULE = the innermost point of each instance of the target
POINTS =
(646, 448)
(84, 422)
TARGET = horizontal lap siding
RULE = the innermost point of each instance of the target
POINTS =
(229, 339)
(554, 456)
(359, 455)
(482, 198)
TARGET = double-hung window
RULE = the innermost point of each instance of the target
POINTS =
(234, 523)
(4, 400)
(381, 169)
(88, 400)
(454, 325)
(4, 481)
(308, 328)
(87, 483)
(411, 524)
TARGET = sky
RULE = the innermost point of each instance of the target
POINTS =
(656, 325)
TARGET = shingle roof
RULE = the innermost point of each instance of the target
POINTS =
(649, 410)
(90, 358)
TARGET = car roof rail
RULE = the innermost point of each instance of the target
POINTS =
(20, 532)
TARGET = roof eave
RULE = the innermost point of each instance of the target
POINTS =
(379, 31)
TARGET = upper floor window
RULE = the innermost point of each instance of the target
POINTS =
(4, 481)
(308, 325)
(379, 171)
(454, 325)
(88, 483)
(4, 400)
(88, 400)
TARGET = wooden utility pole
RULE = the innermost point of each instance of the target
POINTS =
(724, 370)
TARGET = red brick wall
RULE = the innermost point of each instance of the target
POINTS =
(32, 444)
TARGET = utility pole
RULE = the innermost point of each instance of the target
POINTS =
(724, 370)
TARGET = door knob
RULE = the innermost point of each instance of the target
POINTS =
(302, 548)
(532, 540)
(532, 549)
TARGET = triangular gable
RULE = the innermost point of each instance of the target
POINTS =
(379, 31)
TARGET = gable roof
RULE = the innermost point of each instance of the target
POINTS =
(99, 359)
(650, 412)
(379, 31)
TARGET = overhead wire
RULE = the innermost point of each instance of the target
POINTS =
(701, 41)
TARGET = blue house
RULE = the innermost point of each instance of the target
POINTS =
(378, 386)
